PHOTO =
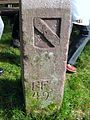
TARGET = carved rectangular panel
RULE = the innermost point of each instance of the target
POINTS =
(47, 32)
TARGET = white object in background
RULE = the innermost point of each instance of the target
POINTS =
(1, 27)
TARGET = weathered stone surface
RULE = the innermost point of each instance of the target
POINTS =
(45, 34)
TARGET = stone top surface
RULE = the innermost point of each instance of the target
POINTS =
(37, 4)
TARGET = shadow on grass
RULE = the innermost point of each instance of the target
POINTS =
(10, 57)
(11, 95)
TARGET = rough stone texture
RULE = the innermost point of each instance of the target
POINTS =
(45, 34)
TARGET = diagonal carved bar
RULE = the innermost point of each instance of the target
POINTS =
(48, 33)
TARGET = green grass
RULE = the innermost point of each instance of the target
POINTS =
(76, 102)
